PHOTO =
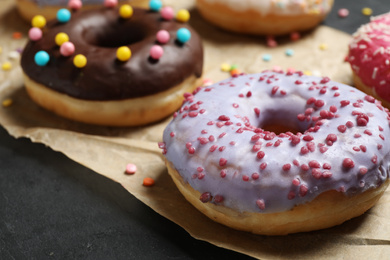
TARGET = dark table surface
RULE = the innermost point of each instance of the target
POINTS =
(54, 208)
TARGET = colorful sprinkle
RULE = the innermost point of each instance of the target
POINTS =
(163, 36)
(17, 35)
(35, 34)
(367, 11)
(7, 102)
(323, 46)
(155, 5)
(123, 53)
(41, 58)
(225, 67)
(183, 15)
(38, 21)
(63, 15)
(156, 52)
(183, 35)
(6, 66)
(110, 3)
(167, 13)
(131, 168)
(148, 182)
(61, 38)
(267, 57)
(13, 55)
(126, 11)
(75, 4)
(271, 42)
(80, 61)
(289, 52)
(343, 12)
(294, 36)
(67, 49)
(235, 72)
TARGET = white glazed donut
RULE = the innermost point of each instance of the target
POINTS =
(333, 165)
(265, 17)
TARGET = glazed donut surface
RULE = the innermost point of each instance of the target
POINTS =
(369, 57)
(106, 90)
(264, 17)
(219, 151)
(97, 34)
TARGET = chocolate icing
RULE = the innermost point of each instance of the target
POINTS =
(97, 34)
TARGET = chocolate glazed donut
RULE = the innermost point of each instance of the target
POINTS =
(106, 80)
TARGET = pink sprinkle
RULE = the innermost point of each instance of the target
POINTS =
(260, 155)
(110, 3)
(263, 166)
(191, 150)
(255, 175)
(363, 148)
(223, 173)
(303, 189)
(326, 166)
(308, 138)
(223, 118)
(245, 178)
(342, 128)
(348, 163)
(257, 111)
(75, 4)
(167, 13)
(327, 174)
(156, 52)
(172, 134)
(218, 198)
(213, 148)
(131, 168)
(294, 36)
(162, 36)
(343, 12)
(363, 170)
(296, 182)
(291, 195)
(319, 103)
(271, 42)
(344, 103)
(35, 34)
(286, 167)
(205, 197)
(314, 164)
(260, 203)
(349, 124)
(295, 140)
(222, 162)
(316, 173)
(304, 167)
(67, 49)
(374, 159)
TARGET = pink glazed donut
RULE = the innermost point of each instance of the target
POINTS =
(369, 56)
(229, 151)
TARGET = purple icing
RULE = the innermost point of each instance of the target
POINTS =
(217, 144)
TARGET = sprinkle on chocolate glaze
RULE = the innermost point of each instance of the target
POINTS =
(97, 34)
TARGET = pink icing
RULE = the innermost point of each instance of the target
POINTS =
(369, 55)
(217, 144)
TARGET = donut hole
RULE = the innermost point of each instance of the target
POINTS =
(279, 128)
(282, 121)
(114, 35)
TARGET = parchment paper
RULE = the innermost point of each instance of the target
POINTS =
(107, 150)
